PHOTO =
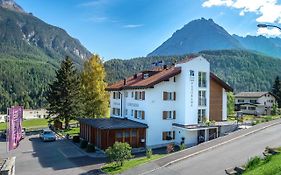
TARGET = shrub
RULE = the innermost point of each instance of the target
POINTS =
(253, 162)
(182, 146)
(83, 144)
(76, 139)
(149, 153)
(119, 152)
(91, 148)
(170, 148)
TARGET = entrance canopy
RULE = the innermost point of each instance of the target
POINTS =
(194, 127)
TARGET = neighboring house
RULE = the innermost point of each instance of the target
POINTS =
(255, 103)
(34, 113)
(157, 107)
(3, 118)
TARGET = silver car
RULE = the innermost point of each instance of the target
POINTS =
(48, 135)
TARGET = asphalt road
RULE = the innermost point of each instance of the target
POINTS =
(234, 153)
(34, 157)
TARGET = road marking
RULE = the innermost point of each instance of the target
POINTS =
(207, 149)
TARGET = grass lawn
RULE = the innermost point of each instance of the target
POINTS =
(271, 166)
(111, 168)
(72, 131)
(33, 123)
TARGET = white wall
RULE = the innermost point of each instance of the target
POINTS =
(224, 104)
(34, 113)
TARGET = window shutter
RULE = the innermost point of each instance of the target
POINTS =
(164, 115)
(174, 95)
(174, 135)
(174, 114)
(165, 95)
(164, 135)
(142, 115)
(113, 95)
(136, 113)
(136, 95)
(143, 95)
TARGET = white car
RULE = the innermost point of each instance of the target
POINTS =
(48, 135)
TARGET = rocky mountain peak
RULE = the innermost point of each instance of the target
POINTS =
(11, 5)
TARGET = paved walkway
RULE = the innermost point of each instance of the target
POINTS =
(182, 155)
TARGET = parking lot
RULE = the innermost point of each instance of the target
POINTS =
(60, 157)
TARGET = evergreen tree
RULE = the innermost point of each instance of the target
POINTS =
(63, 93)
(95, 98)
(276, 89)
(230, 103)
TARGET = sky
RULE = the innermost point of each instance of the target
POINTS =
(133, 28)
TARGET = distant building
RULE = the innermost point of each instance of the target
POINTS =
(3, 118)
(34, 114)
(255, 103)
(161, 106)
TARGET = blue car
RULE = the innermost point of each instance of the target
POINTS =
(48, 135)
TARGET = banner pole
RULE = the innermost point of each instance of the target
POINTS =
(7, 132)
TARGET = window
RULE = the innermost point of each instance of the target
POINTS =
(116, 95)
(132, 94)
(116, 111)
(201, 115)
(119, 135)
(167, 115)
(202, 80)
(126, 94)
(139, 114)
(202, 101)
(240, 101)
(253, 101)
(191, 73)
(139, 95)
(145, 76)
(169, 96)
(243, 107)
(126, 111)
(134, 133)
(132, 113)
(251, 108)
(168, 135)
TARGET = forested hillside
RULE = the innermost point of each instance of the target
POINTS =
(243, 70)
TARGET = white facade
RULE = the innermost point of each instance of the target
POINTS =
(34, 113)
(186, 104)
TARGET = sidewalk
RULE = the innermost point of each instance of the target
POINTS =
(175, 157)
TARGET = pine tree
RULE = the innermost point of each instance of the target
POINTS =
(276, 89)
(63, 93)
(95, 98)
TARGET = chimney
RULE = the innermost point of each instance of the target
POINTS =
(125, 81)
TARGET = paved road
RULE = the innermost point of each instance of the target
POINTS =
(34, 157)
(231, 154)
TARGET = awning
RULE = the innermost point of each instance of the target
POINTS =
(195, 127)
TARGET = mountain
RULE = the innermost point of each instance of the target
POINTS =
(30, 52)
(269, 46)
(196, 36)
(243, 70)
(202, 34)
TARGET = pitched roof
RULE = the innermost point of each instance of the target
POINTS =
(252, 94)
(221, 82)
(112, 123)
(135, 82)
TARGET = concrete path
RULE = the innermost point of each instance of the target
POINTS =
(215, 156)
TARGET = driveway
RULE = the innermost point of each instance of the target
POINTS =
(60, 157)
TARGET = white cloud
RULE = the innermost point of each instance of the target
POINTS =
(132, 25)
(267, 10)
(269, 31)
(93, 3)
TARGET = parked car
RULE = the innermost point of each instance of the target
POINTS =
(4, 134)
(23, 133)
(48, 135)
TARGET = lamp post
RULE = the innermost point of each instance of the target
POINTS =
(268, 25)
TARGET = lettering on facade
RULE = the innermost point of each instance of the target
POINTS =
(116, 103)
(191, 73)
(133, 104)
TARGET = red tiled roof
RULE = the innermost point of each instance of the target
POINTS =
(139, 82)
(156, 77)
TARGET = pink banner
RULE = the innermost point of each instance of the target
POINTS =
(15, 126)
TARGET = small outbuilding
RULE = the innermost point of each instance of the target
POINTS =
(104, 132)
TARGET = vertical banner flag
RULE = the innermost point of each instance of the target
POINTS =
(15, 126)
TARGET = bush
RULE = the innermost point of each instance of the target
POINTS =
(83, 144)
(253, 162)
(76, 139)
(149, 153)
(182, 146)
(91, 148)
(119, 152)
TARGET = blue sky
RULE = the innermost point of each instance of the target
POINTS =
(132, 28)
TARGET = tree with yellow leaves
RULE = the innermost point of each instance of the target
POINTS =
(94, 96)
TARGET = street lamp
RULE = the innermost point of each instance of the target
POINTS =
(268, 25)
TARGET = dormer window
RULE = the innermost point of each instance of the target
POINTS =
(145, 76)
